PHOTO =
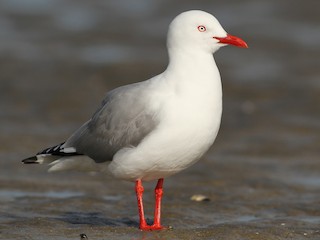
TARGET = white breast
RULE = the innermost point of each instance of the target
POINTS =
(190, 119)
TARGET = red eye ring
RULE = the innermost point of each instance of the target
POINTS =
(202, 28)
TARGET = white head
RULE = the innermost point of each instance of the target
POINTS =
(200, 31)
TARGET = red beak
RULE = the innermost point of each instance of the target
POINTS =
(232, 40)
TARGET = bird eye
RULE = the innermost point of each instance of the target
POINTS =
(202, 28)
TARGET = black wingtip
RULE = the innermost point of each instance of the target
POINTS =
(30, 160)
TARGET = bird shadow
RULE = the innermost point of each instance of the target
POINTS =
(96, 219)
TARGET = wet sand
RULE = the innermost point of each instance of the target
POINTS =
(57, 60)
(247, 201)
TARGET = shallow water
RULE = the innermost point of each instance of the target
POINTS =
(58, 58)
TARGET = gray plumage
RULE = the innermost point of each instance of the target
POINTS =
(123, 120)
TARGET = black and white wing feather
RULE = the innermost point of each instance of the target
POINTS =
(52, 153)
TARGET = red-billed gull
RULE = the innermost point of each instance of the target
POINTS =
(155, 128)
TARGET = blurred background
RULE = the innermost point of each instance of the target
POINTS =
(59, 58)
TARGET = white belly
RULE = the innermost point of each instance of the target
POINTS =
(187, 130)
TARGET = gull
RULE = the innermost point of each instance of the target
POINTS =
(153, 129)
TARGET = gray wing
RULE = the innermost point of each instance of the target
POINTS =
(123, 120)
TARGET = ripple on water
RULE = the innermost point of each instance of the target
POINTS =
(11, 195)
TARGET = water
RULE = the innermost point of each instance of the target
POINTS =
(11, 195)
(58, 58)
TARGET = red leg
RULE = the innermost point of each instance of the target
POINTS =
(139, 193)
(157, 211)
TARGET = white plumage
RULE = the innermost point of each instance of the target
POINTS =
(156, 128)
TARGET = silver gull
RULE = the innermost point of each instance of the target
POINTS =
(155, 128)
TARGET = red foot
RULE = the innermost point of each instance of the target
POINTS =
(152, 227)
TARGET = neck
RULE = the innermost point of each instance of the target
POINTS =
(192, 64)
